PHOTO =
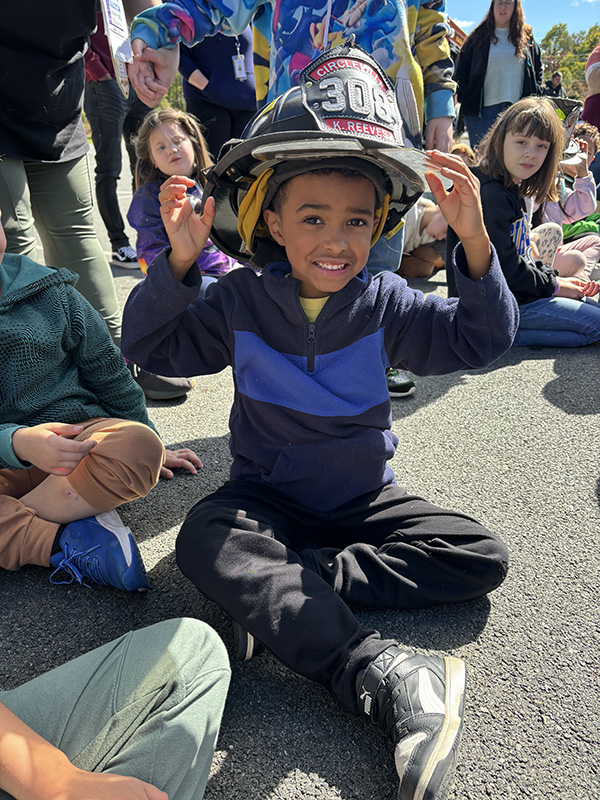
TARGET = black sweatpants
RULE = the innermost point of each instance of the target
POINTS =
(286, 572)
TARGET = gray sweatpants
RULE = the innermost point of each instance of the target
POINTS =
(57, 199)
(147, 705)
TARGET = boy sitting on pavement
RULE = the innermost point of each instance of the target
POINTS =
(311, 519)
(74, 435)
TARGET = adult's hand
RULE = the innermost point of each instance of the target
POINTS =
(152, 71)
(198, 79)
(438, 134)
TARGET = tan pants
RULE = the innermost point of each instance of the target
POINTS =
(124, 465)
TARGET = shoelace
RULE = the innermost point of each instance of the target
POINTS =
(79, 566)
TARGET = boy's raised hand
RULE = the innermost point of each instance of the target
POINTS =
(48, 447)
(187, 231)
(461, 207)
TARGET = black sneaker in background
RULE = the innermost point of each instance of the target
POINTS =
(125, 256)
(246, 646)
(159, 387)
(399, 383)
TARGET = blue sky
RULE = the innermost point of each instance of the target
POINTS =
(540, 14)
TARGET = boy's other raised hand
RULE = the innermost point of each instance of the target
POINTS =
(461, 207)
(48, 447)
(187, 231)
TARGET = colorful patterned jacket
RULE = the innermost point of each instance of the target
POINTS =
(407, 37)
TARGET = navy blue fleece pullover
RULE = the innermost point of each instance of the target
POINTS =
(311, 414)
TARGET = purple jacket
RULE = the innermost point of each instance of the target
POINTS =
(144, 217)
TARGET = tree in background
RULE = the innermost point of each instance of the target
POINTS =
(568, 53)
(174, 97)
(555, 45)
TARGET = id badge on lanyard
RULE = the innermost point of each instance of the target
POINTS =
(117, 33)
(239, 63)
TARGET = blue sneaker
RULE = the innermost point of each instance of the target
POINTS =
(102, 550)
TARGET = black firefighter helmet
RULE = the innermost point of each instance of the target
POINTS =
(343, 113)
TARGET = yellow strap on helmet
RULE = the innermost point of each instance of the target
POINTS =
(382, 213)
(249, 215)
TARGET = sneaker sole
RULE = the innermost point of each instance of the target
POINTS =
(406, 393)
(113, 522)
(153, 395)
(440, 765)
(246, 646)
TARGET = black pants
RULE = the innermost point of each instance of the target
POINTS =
(286, 572)
(220, 123)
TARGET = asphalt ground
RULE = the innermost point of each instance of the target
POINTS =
(514, 445)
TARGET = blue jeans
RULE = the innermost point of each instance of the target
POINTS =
(479, 126)
(558, 322)
(111, 117)
(385, 254)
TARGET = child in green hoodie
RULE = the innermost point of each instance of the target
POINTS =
(75, 438)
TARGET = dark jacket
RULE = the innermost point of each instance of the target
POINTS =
(554, 91)
(213, 58)
(504, 217)
(42, 78)
(311, 412)
(470, 74)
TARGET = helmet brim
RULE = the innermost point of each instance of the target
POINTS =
(242, 161)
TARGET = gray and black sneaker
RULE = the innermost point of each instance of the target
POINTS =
(418, 701)
(160, 387)
(246, 646)
(399, 383)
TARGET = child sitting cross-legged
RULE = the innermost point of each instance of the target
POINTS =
(517, 161)
(75, 440)
(311, 519)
